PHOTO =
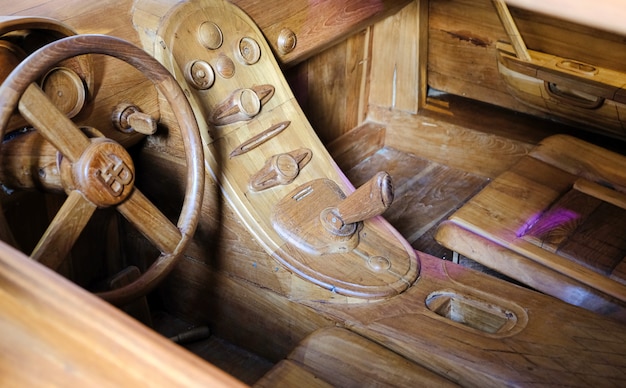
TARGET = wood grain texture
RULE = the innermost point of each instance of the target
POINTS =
(63, 231)
(356, 145)
(512, 32)
(80, 339)
(257, 208)
(290, 374)
(528, 272)
(317, 25)
(347, 359)
(330, 86)
(526, 199)
(233, 283)
(448, 143)
(84, 163)
(425, 191)
(463, 35)
(394, 77)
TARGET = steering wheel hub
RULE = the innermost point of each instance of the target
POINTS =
(105, 173)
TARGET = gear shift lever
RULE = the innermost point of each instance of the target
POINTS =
(369, 200)
(318, 217)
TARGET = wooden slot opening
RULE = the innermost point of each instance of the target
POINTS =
(477, 314)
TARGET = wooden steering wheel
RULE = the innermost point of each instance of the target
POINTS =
(98, 172)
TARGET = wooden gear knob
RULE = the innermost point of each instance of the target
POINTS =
(369, 200)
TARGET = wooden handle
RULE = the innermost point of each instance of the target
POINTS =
(368, 201)
(511, 30)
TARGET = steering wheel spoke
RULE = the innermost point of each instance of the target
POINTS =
(63, 231)
(59, 130)
(150, 221)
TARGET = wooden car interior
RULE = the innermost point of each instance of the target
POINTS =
(356, 193)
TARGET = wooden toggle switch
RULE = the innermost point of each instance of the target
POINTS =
(280, 169)
(242, 105)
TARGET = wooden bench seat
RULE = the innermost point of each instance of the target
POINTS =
(556, 221)
(339, 357)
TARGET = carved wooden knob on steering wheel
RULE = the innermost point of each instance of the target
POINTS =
(101, 172)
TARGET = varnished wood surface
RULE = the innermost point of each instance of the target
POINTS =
(439, 344)
(231, 282)
(463, 36)
(533, 210)
(426, 192)
(260, 208)
(343, 358)
(56, 333)
(64, 134)
(317, 26)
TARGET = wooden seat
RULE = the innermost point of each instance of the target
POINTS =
(556, 221)
(338, 357)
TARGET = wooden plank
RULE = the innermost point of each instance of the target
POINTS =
(511, 30)
(583, 229)
(425, 192)
(357, 145)
(584, 159)
(528, 272)
(564, 266)
(329, 87)
(80, 339)
(317, 25)
(505, 209)
(401, 166)
(452, 144)
(601, 192)
(394, 78)
(429, 197)
(348, 359)
(619, 273)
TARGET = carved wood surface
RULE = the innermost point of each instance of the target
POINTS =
(86, 159)
(182, 46)
(245, 293)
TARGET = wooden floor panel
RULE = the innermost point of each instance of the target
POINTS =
(234, 360)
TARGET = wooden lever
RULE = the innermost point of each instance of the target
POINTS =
(128, 118)
(369, 200)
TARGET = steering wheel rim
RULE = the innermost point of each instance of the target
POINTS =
(136, 205)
